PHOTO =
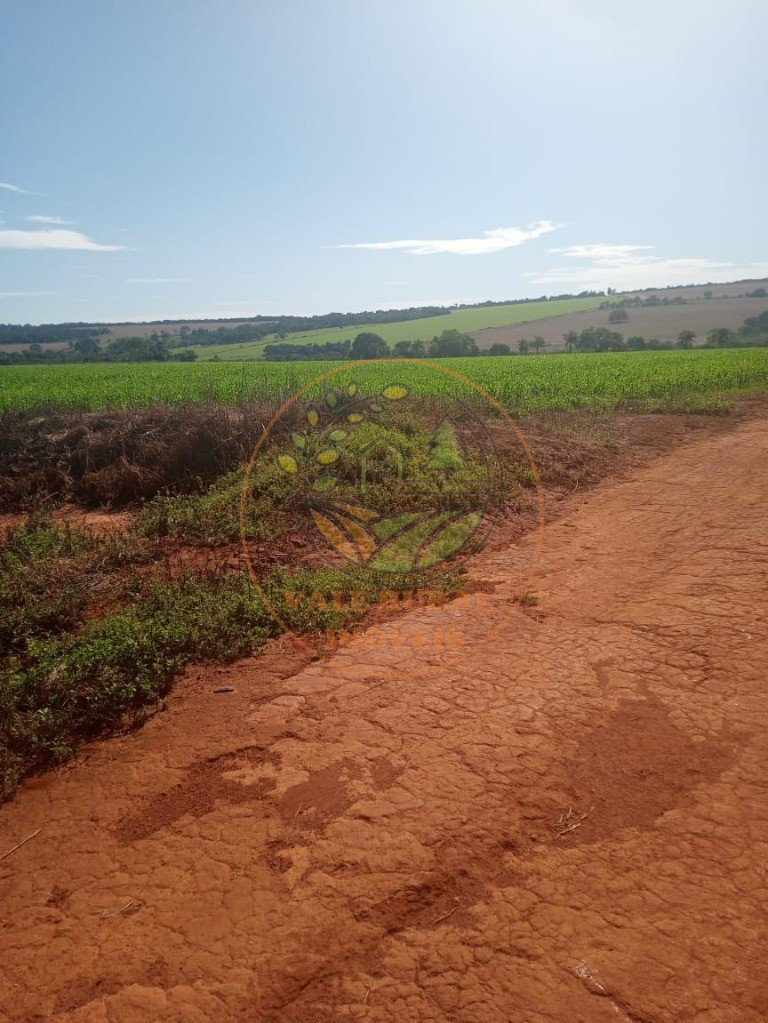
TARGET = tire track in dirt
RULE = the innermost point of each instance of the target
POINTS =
(567, 825)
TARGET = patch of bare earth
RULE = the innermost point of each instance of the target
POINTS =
(559, 818)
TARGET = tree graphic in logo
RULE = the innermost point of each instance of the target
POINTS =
(384, 491)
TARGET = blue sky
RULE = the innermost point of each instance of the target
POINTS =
(190, 158)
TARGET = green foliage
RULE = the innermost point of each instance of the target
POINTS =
(410, 349)
(599, 339)
(44, 583)
(721, 337)
(368, 345)
(213, 518)
(520, 384)
(756, 324)
(69, 687)
(452, 344)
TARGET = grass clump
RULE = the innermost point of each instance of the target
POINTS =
(213, 517)
(43, 588)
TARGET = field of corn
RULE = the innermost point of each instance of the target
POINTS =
(520, 384)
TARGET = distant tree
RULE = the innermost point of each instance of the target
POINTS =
(600, 339)
(686, 339)
(86, 346)
(618, 316)
(707, 294)
(452, 343)
(635, 343)
(410, 349)
(129, 349)
(499, 349)
(369, 346)
(756, 324)
(721, 337)
(571, 340)
(757, 293)
(538, 343)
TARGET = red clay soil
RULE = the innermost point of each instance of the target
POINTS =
(568, 824)
(100, 523)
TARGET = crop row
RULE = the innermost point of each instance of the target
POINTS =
(519, 384)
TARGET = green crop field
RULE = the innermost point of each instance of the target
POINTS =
(519, 383)
(464, 320)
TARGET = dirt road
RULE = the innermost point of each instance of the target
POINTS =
(569, 825)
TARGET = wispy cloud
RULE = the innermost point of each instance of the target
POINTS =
(25, 294)
(53, 239)
(636, 266)
(38, 219)
(491, 241)
(157, 280)
(13, 188)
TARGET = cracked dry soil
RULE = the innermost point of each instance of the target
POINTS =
(567, 825)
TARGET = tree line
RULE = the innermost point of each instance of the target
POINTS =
(368, 345)
(87, 349)
(753, 332)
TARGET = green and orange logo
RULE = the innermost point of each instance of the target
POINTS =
(377, 488)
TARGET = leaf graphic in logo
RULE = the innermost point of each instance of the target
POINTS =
(354, 417)
(313, 417)
(299, 440)
(337, 435)
(352, 390)
(401, 552)
(357, 511)
(448, 540)
(424, 543)
(334, 535)
(386, 528)
(327, 457)
(348, 537)
(324, 484)
(395, 392)
(356, 531)
(331, 399)
(287, 464)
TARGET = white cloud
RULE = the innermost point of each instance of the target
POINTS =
(606, 253)
(157, 280)
(47, 220)
(635, 266)
(25, 294)
(14, 188)
(37, 240)
(491, 241)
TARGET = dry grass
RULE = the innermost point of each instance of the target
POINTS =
(114, 458)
